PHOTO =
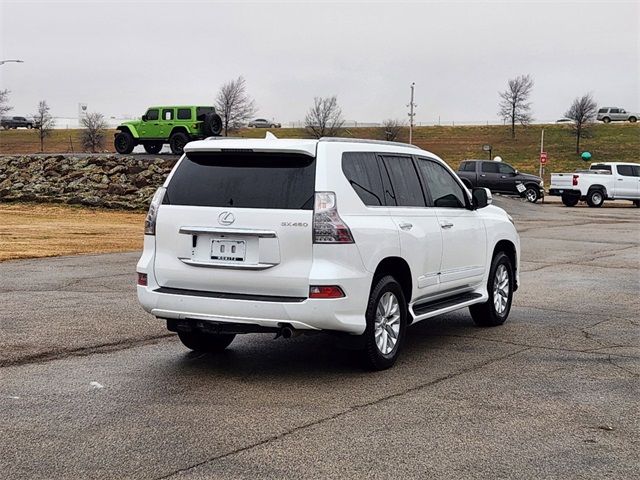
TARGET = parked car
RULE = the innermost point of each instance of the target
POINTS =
(565, 120)
(263, 123)
(603, 181)
(173, 125)
(17, 122)
(288, 237)
(615, 114)
(502, 178)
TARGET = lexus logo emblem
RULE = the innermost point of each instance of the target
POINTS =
(226, 218)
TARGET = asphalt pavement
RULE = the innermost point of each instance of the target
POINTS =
(93, 387)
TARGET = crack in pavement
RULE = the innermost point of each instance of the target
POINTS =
(64, 285)
(353, 408)
(83, 351)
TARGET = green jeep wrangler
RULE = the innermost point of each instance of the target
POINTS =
(174, 125)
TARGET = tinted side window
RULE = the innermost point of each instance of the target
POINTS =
(467, 167)
(489, 167)
(152, 114)
(363, 173)
(184, 114)
(636, 170)
(405, 183)
(626, 170)
(614, 110)
(444, 189)
(504, 168)
(603, 110)
(244, 180)
(167, 114)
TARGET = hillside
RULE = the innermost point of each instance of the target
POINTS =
(613, 142)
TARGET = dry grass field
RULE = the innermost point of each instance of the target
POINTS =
(45, 230)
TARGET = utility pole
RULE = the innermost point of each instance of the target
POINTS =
(411, 106)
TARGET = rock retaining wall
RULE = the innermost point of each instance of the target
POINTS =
(110, 181)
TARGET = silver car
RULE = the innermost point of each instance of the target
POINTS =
(615, 114)
(263, 123)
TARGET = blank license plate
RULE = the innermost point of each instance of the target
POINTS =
(521, 188)
(228, 250)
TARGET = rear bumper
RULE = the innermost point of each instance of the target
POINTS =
(558, 192)
(342, 314)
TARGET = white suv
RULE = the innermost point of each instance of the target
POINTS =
(357, 238)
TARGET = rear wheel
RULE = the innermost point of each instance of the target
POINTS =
(206, 342)
(606, 120)
(124, 142)
(495, 311)
(153, 147)
(386, 317)
(570, 200)
(177, 142)
(595, 198)
(29, 126)
(636, 203)
(633, 119)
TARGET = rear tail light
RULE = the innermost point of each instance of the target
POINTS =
(325, 291)
(328, 227)
(152, 214)
(142, 279)
(575, 180)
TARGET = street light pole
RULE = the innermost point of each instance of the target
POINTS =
(2, 62)
(411, 106)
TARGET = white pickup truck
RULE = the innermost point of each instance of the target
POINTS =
(603, 181)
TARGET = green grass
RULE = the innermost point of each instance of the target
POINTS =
(613, 142)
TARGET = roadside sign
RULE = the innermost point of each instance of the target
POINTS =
(543, 158)
(486, 147)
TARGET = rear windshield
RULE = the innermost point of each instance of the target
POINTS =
(600, 166)
(244, 180)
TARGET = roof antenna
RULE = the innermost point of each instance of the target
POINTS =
(270, 136)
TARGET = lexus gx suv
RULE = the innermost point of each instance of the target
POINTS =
(355, 238)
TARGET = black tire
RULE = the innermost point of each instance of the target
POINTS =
(487, 314)
(373, 357)
(29, 126)
(633, 119)
(212, 125)
(177, 142)
(595, 198)
(606, 120)
(124, 142)
(637, 203)
(206, 342)
(152, 147)
(532, 194)
(570, 200)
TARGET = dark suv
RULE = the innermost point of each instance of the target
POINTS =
(17, 122)
(500, 177)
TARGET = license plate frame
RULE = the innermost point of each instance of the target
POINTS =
(228, 250)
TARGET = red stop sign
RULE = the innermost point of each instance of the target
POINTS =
(543, 158)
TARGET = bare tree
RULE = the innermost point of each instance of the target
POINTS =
(93, 134)
(390, 129)
(44, 122)
(514, 106)
(324, 118)
(234, 105)
(583, 111)
(4, 102)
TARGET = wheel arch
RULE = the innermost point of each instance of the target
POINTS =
(509, 249)
(399, 269)
(128, 129)
(179, 128)
(598, 186)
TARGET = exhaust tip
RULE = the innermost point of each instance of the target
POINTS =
(287, 332)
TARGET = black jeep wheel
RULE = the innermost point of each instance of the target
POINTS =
(124, 142)
(152, 147)
(212, 125)
(177, 142)
(570, 200)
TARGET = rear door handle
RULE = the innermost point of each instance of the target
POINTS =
(406, 226)
(446, 224)
(483, 175)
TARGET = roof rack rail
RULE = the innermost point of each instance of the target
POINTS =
(364, 140)
(220, 137)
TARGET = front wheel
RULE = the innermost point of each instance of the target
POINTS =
(595, 198)
(532, 194)
(570, 200)
(124, 142)
(637, 203)
(177, 142)
(206, 342)
(29, 126)
(500, 285)
(633, 119)
(386, 317)
(606, 120)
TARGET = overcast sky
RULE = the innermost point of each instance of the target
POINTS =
(120, 57)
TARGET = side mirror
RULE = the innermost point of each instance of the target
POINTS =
(516, 172)
(144, 118)
(481, 197)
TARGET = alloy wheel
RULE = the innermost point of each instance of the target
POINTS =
(501, 289)
(387, 323)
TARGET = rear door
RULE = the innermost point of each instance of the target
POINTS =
(167, 120)
(420, 236)
(489, 176)
(627, 181)
(238, 222)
